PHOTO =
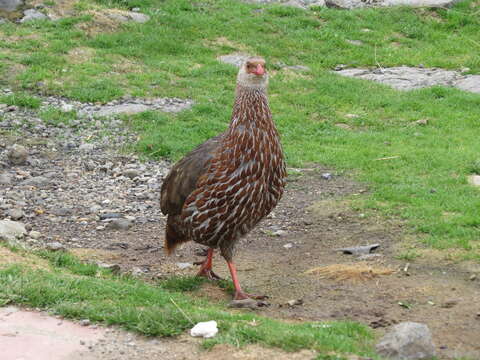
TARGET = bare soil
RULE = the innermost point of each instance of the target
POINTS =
(317, 219)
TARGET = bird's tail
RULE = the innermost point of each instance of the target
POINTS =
(173, 235)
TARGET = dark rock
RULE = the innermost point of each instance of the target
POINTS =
(110, 216)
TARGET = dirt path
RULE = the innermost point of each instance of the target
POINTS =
(314, 219)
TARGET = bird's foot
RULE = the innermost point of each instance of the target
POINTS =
(240, 295)
(209, 274)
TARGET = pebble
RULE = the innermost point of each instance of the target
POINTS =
(17, 155)
(326, 176)
(206, 329)
(183, 265)
(131, 173)
(450, 303)
(120, 224)
(85, 322)
(15, 214)
(5, 179)
(55, 246)
(288, 245)
(34, 234)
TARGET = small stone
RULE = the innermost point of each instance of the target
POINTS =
(288, 245)
(472, 277)
(106, 216)
(450, 303)
(326, 176)
(407, 341)
(15, 214)
(89, 165)
(182, 265)
(355, 42)
(67, 107)
(17, 155)
(244, 304)
(292, 303)
(474, 180)
(131, 173)
(82, 342)
(11, 230)
(120, 224)
(422, 122)
(86, 147)
(34, 234)
(359, 250)
(114, 268)
(55, 246)
(279, 233)
(95, 209)
(139, 17)
(137, 272)
(5, 179)
(136, 9)
(62, 211)
(85, 322)
(206, 329)
(38, 181)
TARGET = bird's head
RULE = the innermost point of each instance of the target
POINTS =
(253, 74)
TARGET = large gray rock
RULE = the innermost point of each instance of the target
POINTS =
(125, 16)
(234, 59)
(10, 231)
(33, 14)
(407, 341)
(409, 78)
(10, 5)
(355, 4)
(404, 77)
(302, 4)
(17, 155)
(469, 83)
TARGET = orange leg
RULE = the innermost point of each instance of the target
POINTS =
(206, 267)
(239, 294)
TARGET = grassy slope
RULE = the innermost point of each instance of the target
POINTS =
(80, 291)
(174, 55)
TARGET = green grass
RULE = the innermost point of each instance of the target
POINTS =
(76, 290)
(55, 116)
(174, 54)
(22, 100)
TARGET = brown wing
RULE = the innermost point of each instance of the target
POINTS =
(182, 179)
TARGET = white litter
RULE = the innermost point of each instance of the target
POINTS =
(205, 329)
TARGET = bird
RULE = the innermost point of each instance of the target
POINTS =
(223, 188)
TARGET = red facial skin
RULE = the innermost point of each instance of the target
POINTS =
(256, 68)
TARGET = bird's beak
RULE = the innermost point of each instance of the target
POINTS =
(259, 70)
